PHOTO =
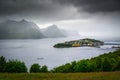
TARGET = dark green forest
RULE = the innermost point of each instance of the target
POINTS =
(15, 66)
(105, 62)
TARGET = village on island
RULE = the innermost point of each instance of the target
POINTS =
(80, 43)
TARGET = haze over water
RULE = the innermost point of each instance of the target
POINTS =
(41, 51)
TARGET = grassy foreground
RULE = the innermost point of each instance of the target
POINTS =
(61, 76)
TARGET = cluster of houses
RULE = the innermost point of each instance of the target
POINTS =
(85, 42)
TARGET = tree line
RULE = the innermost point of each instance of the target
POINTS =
(105, 62)
(15, 66)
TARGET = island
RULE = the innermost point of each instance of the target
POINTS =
(86, 42)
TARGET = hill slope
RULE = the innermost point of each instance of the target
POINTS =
(105, 62)
(52, 32)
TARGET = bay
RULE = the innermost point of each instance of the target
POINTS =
(41, 51)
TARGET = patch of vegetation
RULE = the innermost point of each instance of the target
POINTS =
(105, 62)
(15, 66)
(61, 45)
(12, 66)
(36, 68)
(61, 76)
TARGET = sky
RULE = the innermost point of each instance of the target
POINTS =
(99, 18)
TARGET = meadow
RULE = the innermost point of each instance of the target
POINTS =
(61, 76)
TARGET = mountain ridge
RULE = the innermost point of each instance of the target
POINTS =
(53, 32)
(23, 29)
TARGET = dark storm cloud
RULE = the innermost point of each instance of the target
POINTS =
(94, 5)
(44, 10)
(39, 10)
(52, 10)
(23, 6)
(46, 6)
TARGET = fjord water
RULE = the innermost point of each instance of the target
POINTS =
(41, 51)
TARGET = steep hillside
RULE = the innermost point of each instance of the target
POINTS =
(19, 30)
(53, 32)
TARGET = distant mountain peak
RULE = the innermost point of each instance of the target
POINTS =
(10, 21)
(53, 32)
(23, 20)
(53, 27)
(23, 29)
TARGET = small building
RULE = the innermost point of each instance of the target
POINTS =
(76, 45)
(90, 43)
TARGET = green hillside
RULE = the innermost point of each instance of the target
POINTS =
(105, 62)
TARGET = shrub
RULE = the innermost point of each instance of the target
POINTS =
(2, 63)
(44, 69)
(14, 66)
(35, 68)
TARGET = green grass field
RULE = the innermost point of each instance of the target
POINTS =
(61, 76)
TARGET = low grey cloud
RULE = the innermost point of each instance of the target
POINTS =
(93, 6)
(41, 9)
(48, 10)
(20, 6)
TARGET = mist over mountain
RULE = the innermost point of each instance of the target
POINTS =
(53, 32)
(19, 30)
(70, 33)
(23, 29)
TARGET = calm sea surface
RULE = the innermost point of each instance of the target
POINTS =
(41, 51)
